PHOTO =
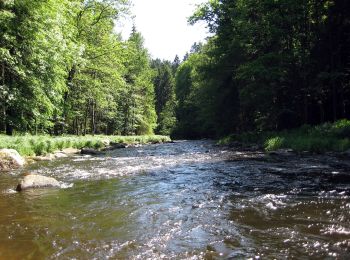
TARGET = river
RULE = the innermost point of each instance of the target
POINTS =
(187, 200)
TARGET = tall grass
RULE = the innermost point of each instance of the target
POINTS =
(28, 145)
(319, 139)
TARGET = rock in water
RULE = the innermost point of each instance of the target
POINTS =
(32, 181)
(10, 158)
(114, 146)
(118, 145)
(90, 151)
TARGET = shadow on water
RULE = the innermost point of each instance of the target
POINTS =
(182, 200)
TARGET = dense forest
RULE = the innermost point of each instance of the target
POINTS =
(269, 65)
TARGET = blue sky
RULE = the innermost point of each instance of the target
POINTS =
(163, 24)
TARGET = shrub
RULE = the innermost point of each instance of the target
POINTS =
(274, 143)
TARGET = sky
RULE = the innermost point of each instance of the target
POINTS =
(163, 24)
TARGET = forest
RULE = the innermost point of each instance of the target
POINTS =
(68, 72)
(268, 65)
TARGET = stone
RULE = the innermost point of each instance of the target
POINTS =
(90, 151)
(157, 142)
(118, 145)
(70, 151)
(60, 155)
(106, 142)
(10, 159)
(33, 181)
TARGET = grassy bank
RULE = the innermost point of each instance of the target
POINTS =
(28, 145)
(319, 139)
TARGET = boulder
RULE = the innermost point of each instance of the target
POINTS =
(60, 155)
(10, 159)
(106, 142)
(70, 151)
(118, 145)
(32, 181)
(156, 142)
(90, 151)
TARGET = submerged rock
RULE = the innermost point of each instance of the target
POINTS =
(32, 181)
(10, 159)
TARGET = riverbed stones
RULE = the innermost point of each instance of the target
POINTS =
(33, 181)
(10, 159)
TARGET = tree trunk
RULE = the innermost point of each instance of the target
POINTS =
(9, 129)
(86, 117)
(3, 121)
(334, 90)
(320, 104)
(306, 110)
(93, 124)
(70, 78)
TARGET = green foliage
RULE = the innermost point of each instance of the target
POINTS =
(274, 143)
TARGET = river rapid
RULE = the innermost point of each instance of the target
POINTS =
(187, 200)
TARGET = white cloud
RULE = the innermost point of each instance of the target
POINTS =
(163, 24)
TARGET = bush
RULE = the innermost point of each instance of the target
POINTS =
(274, 143)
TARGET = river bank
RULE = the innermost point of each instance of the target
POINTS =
(14, 149)
(328, 137)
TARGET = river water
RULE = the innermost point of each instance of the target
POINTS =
(187, 200)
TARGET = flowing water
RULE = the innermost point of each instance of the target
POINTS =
(187, 200)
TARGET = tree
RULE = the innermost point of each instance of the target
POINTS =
(165, 96)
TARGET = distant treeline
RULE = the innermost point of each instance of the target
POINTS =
(271, 65)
